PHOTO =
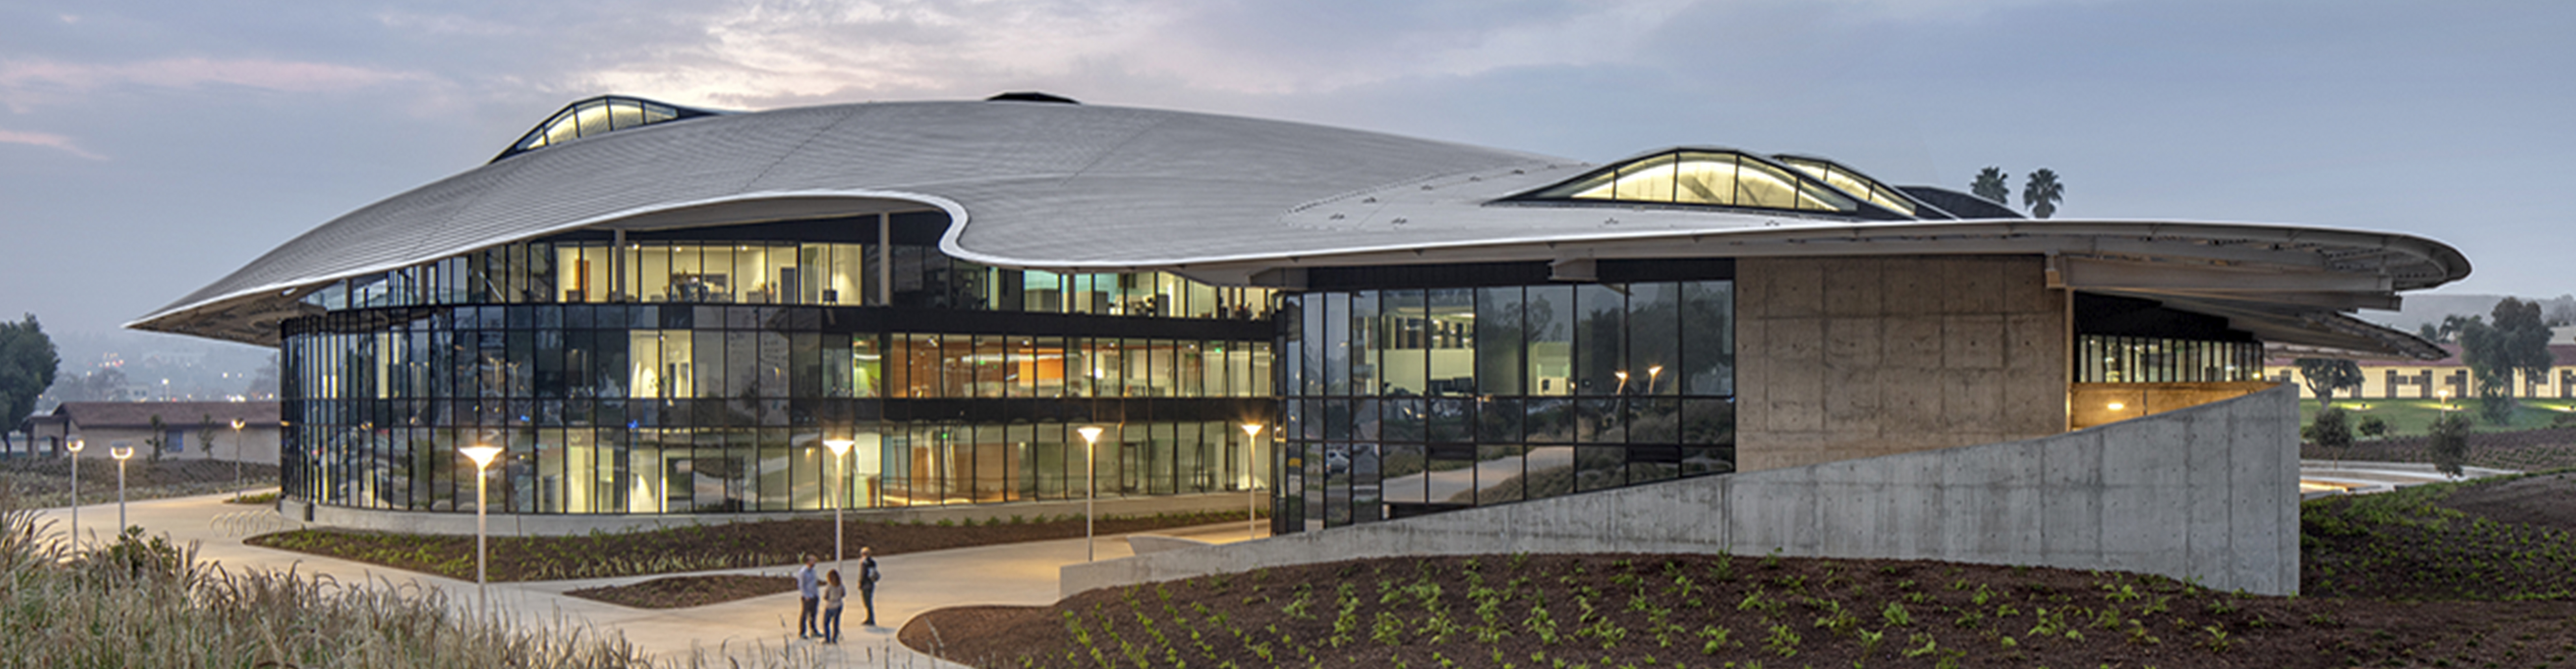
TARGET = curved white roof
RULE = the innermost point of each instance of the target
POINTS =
(1226, 199)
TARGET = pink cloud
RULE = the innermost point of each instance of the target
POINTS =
(48, 141)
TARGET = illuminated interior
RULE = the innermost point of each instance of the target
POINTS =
(1713, 178)
(597, 116)
(1852, 182)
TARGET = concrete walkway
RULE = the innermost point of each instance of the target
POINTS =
(750, 629)
(2320, 478)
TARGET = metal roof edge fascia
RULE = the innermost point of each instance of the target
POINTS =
(956, 212)
(2430, 250)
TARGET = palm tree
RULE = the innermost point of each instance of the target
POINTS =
(1991, 185)
(2042, 193)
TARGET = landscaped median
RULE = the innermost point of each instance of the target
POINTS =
(696, 548)
(2475, 574)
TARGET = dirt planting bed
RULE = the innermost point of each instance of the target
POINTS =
(2457, 575)
(694, 548)
(686, 591)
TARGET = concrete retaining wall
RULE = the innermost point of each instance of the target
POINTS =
(506, 524)
(2207, 493)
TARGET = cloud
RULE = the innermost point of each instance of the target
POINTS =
(50, 141)
(758, 54)
(27, 82)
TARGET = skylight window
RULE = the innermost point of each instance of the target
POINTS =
(1852, 182)
(598, 116)
(1713, 178)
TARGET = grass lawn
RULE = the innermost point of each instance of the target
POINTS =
(2413, 417)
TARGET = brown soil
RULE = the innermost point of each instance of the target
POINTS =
(678, 592)
(696, 548)
(2521, 450)
(2466, 575)
(2543, 501)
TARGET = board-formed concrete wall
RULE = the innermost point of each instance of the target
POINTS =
(1852, 357)
(2208, 493)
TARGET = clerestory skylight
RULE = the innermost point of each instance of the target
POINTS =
(598, 116)
(1849, 181)
(1709, 177)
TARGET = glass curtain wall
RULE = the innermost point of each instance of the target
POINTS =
(570, 271)
(1403, 402)
(2119, 359)
(679, 377)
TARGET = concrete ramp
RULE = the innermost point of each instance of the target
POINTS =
(2208, 493)
(1148, 544)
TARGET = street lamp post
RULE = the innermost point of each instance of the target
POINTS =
(237, 459)
(482, 456)
(1090, 474)
(2446, 399)
(120, 453)
(1651, 373)
(840, 447)
(1251, 492)
(76, 447)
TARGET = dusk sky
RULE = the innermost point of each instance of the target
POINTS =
(148, 148)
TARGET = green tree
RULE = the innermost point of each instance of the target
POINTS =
(2042, 193)
(27, 363)
(2325, 375)
(206, 434)
(2516, 343)
(1992, 184)
(2450, 441)
(159, 440)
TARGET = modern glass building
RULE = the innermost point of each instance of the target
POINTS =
(700, 370)
(660, 310)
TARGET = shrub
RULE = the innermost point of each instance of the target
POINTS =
(2331, 429)
(2372, 426)
(2450, 442)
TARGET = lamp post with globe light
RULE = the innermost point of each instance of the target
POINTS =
(120, 453)
(76, 447)
(840, 447)
(1251, 487)
(1090, 474)
(237, 459)
(482, 456)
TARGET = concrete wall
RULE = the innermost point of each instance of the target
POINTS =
(1852, 357)
(2208, 493)
(510, 524)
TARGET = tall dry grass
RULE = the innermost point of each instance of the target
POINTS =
(141, 602)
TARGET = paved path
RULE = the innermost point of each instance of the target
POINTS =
(1016, 574)
(2319, 478)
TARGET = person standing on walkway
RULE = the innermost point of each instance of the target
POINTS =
(805, 588)
(868, 585)
(833, 596)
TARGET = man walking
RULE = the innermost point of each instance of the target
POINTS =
(811, 591)
(868, 585)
